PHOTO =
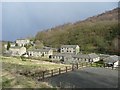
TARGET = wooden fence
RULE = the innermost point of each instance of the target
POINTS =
(50, 73)
(55, 72)
(59, 71)
(73, 67)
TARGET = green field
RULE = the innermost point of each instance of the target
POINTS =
(12, 66)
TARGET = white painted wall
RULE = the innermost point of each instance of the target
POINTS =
(96, 59)
(18, 51)
(116, 64)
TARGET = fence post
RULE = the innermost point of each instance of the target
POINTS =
(96, 65)
(90, 63)
(43, 75)
(86, 64)
(72, 67)
(82, 64)
(104, 65)
(51, 72)
(112, 66)
(77, 65)
(59, 70)
(66, 68)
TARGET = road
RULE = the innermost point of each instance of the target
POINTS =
(86, 78)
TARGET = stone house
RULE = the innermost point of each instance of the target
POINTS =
(68, 59)
(45, 53)
(103, 56)
(58, 57)
(11, 45)
(94, 57)
(17, 51)
(62, 57)
(87, 57)
(75, 58)
(81, 58)
(70, 49)
(112, 61)
(22, 42)
(54, 49)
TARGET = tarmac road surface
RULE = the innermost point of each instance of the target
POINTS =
(89, 77)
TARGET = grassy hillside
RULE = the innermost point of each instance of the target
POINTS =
(12, 67)
(98, 34)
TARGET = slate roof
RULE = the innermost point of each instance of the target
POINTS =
(69, 46)
(112, 59)
(50, 48)
(40, 50)
(93, 55)
(87, 56)
(81, 56)
(63, 55)
(16, 47)
(103, 56)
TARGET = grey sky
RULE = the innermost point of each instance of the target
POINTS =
(21, 20)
